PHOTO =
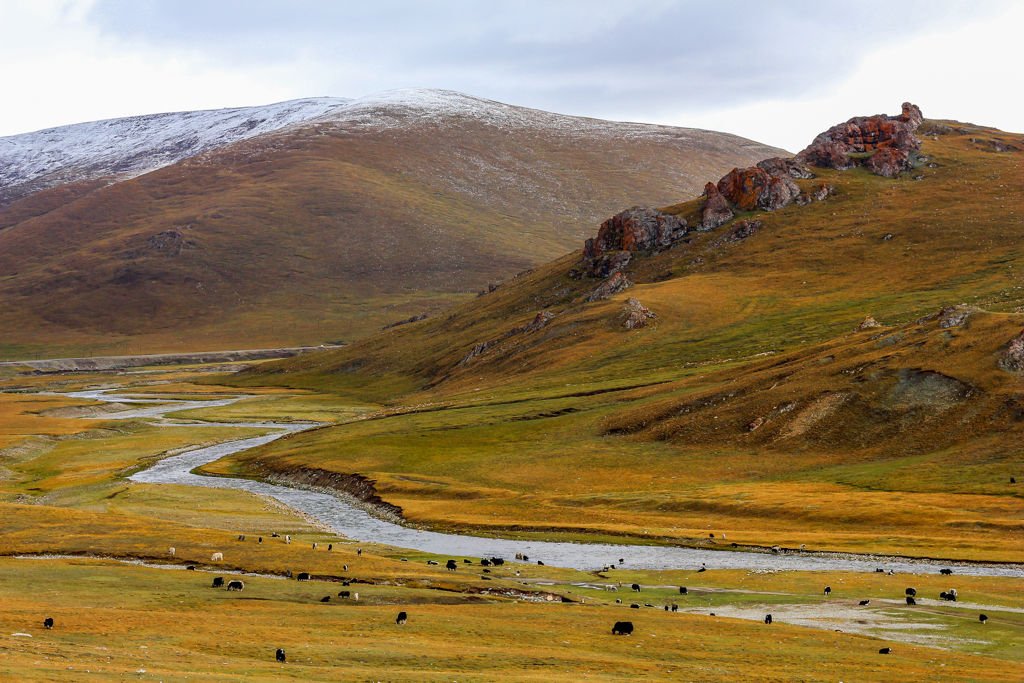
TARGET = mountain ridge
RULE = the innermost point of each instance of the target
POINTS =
(329, 229)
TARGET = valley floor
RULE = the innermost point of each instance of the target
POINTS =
(82, 544)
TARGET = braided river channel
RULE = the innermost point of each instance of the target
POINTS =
(354, 523)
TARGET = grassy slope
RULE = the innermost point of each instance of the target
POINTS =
(505, 428)
(323, 233)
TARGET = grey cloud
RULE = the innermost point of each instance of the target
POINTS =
(578, 57)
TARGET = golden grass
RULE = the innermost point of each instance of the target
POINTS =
(20, 418)
(113, 621)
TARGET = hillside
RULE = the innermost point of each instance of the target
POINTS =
(312, 221)
(720, 373)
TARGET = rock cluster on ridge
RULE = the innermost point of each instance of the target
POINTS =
(881, 143)
(636, 229)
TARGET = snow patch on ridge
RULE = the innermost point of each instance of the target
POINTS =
(129, 147)
(138, 144)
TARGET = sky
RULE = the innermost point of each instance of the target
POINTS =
(777, 72)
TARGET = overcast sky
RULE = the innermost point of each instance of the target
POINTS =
(778, 72)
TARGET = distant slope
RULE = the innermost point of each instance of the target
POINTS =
(950, 231)
(377, 210)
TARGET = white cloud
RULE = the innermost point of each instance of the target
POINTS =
(969, 73)
(59, 69)
(777, 74)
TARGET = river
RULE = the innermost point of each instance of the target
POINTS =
(356, 524)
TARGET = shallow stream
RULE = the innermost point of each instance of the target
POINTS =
(356, 524)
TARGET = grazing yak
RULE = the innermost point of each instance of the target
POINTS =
(279, 655)
(326, 598)
(235, 585)
(911, 591)
(302, 576)
(344, 594)
(191, 568)
(682, 590)
(767, 618)
(828, 591)
(911, 600)
(171, 551)
(402, 618)
(948, 595)
(622, 628)
(636, 587)
(48, 622)
(634, 606)
(451, 565)
(217, 557)
(947, 572)
(885, 651)
(981, 617)
(218, 582)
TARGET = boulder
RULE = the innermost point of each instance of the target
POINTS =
(635, 315)
(783, 167)
(888, 162)
(739, 232)
(608, 263)
(636, 229)
(1012, 359)
(610, 287)
(869, 323)
(754, 188)
(716, 209)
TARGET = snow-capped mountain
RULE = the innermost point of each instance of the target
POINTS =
(135, 145)
(311, 220)
(128, 147)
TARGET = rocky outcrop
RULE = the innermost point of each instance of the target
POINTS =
(635, 315)
(606, 264)
(777, 166)
(949, 316)
(610, 287)
(716, 210)
(750, 189)
(636, 229)
(1012, 358)
(539, 322)
(883, 144)
(821, 193)
(869, 323)
(739, 232)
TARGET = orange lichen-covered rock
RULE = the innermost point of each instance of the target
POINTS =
(636, 229)
(883, 143)
(754, 188)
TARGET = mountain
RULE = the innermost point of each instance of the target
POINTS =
(824, 349)
(128, 147)
(311, 221)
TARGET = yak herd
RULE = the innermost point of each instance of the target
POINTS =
(620, 628)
